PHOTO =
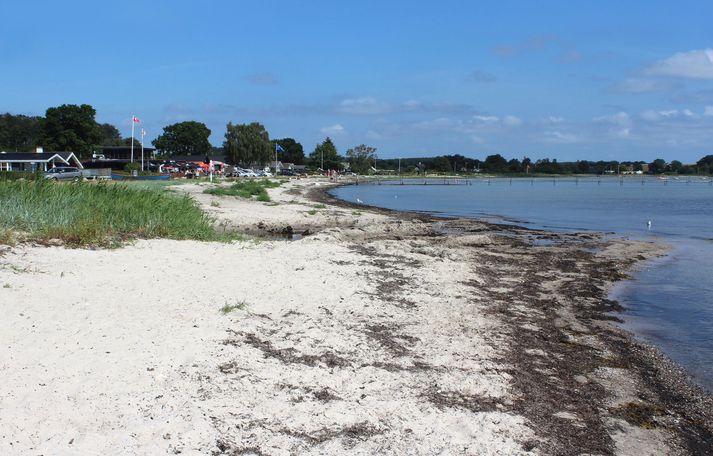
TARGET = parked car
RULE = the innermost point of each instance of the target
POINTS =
(64, 173)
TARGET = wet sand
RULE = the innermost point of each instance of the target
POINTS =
(376, 333)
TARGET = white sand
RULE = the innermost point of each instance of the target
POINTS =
(121, 351)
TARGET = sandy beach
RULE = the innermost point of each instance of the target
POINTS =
(372, 333)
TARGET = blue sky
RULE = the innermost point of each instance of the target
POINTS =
(567, 80)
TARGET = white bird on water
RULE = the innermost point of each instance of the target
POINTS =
(360, 201)
(648, 225)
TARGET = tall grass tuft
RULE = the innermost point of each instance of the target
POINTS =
(98, 214)
(246, 189)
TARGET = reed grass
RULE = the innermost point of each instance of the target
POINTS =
(246, 189)
(103, 214)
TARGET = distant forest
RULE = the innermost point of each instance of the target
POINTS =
(497, 164)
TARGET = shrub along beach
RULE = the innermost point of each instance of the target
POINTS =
(98, 214)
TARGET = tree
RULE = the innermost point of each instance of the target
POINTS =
(657, 166)
(705, 164)
(18, 132)
(247, 143)
(110, 135)
(495, 163)
(184, 138)
(71, 128)
(675, 166)
(441, 164)
(292, 151)
(325, 156)
(361, 158)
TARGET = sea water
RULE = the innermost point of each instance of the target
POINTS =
(669, 303)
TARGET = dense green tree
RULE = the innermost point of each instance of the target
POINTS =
(441, 164)
(247, 143)
(657, 166)
(71, 128)
(361, 158)
(127, 142)
(495, 163)
(292, 151)
(514, 166)
(325, 156)
(184, 138)
(19, 133)
(675, 166)
(110, 135)
(705, 165)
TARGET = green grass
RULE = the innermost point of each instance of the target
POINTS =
(312, 212)
(319, 206)
(227, 308)
(102, 214)
(246, 189)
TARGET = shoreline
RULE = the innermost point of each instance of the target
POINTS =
(377, 332)
(663, 377)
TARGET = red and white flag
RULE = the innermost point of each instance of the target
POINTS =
(136, 119)
(143, 132)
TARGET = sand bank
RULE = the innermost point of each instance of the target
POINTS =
(375, 333)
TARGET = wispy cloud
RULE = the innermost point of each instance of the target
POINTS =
(559, 137)
(697, 64)
(333, 130)
(363, 105)
(642, 85)
(669, 114)
(532, 44)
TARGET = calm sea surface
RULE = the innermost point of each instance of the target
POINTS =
(669, 303)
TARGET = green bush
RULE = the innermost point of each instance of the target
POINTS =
(99, 214)
(246, 189)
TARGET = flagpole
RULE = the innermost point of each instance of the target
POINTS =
(132, 138)
(142, 148)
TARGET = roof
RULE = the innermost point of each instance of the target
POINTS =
(34, 157)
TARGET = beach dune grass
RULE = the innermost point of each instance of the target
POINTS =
(99, 214)
(246, 189)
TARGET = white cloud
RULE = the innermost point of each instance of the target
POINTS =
(696, 64)
(622, 133)
(668, 114)
(363, 105)
(477, 139)
(512, 121)
(486, 119)
(639, 85)
(437, 124)
(334, 130)
(553, 120)
(559, 137)
(620, 118)
(709, 111)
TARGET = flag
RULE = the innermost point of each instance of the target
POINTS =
(143, 132)
(278, 148)
(135, 119)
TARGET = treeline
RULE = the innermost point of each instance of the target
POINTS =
(497, 164)
(74, 128)
(63, 128)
